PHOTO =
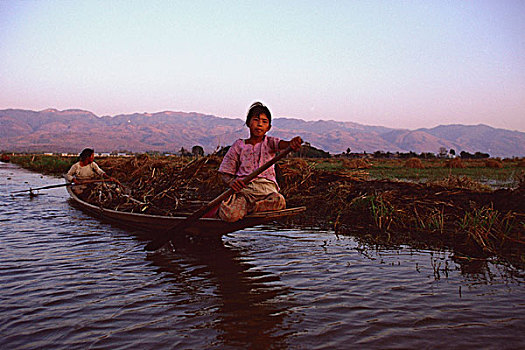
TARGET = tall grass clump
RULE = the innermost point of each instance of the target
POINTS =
(433, 220)
(490, 230)
(382, 211)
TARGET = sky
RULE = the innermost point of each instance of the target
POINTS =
(400, 64)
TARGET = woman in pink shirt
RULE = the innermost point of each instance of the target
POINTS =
(245, 156)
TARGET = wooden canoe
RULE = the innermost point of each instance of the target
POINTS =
(154, 225)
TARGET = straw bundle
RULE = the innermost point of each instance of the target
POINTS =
(414, 163)
(494, 163)
(455, 163)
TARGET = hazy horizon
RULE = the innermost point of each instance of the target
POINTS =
(243, 117)
(402, 65)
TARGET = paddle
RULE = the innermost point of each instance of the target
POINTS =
(60, 185)
(159, 242)
(43, 188)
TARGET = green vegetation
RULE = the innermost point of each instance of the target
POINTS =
(487, 226)
(436, 170)
(432, 170)
(382, 212)
(54, 165)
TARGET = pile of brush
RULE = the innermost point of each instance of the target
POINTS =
(174, 185)
(166, 186)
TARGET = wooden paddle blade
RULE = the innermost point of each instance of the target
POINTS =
(64, 184)
(43, 188)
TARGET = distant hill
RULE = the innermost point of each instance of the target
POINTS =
(52, 130)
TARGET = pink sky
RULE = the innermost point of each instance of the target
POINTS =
(398, 64)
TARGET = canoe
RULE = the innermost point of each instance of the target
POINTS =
(153, 226)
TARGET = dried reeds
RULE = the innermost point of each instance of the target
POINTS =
(464, 182)
(164, 186)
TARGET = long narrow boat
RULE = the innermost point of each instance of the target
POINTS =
(154, 226)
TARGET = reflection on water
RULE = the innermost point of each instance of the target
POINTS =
(244, 313)
(70, 281)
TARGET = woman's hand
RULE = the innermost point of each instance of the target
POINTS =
(295, 143)
(237, 185)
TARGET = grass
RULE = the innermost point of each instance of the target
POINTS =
(488, 227)
(327, 164)
(434, 170)
(434, 221)
(382, 212)
(54, 165)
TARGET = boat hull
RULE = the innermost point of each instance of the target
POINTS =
(154, 226)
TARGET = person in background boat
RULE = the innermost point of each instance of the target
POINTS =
(85, 169)
(245, 156)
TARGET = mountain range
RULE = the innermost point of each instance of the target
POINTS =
(72, 130)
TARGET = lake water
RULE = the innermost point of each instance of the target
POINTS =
(69, 281)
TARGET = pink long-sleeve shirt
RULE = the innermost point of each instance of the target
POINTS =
(242, 159)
